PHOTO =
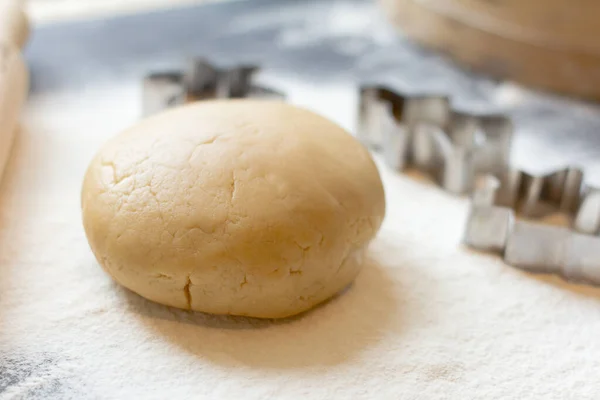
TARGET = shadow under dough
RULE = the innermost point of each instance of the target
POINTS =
(330, 334)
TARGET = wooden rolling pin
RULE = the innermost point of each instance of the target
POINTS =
(14, 76)
(14, 24)
(14, 83)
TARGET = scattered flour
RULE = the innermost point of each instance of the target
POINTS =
(426, 319)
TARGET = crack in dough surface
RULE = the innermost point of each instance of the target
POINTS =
(233, 207)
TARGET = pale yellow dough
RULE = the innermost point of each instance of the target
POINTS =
(241, 207)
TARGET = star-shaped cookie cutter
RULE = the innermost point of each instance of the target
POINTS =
(469, 153)
(201, 80)
(426, 133)
(572, 252)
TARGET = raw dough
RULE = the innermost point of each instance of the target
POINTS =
(241, 207)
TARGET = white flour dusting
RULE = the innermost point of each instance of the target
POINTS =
(426, 319)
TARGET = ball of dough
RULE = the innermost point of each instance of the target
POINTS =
(240, 207)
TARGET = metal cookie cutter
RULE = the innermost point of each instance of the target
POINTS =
(424, 132)
(200, 81)
(572, 252)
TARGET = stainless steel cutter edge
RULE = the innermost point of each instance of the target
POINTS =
(201, 80)
(426, 133)
(469, 153)
(573, 253)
